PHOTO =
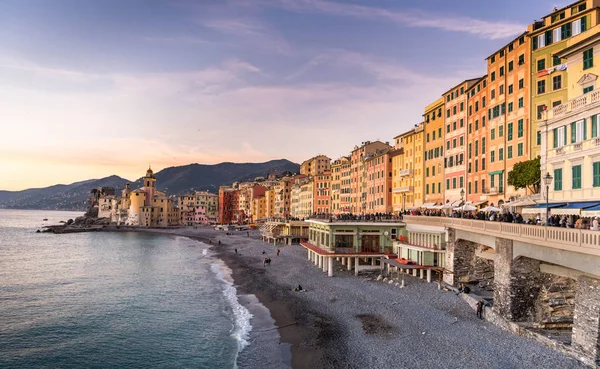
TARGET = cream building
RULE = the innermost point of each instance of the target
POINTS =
(570, 132)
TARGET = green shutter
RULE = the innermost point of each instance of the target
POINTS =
(555, 137)
(573, 132)
(583, 24)
(565, 135)
(594, 126)
(584, 130)
(597, 174)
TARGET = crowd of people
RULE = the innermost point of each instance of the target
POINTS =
(349, 217)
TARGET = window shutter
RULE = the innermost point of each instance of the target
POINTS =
(584, 130)
(564, 135)
(594, 125)
(535, 44)
(555, 137)
(573, 132)
(583, 24)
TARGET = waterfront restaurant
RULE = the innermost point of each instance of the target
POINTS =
(350, 241)
(284, 232)
(422, 249)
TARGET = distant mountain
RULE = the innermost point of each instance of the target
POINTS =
(174, 180)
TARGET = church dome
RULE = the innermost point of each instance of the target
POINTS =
(149, 173)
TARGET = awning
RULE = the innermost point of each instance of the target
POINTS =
(479, 203)
(591, 212)
(496, 172)
(574, 208)
(428, 205)
(540, 208)
(519, 203)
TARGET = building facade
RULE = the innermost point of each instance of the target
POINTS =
(379, 182)
(433, 155)
(477, 131)
(315, 165)
(322, 193)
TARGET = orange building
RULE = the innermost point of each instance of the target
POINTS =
(322, 193)
(477, 132)
(433, 155)
(455, 137)
(379, 182)
(358, 180)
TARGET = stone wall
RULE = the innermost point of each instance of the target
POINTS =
(586, 327)
(555, 304)
(516, 283)
(461, 259)
(448, 276)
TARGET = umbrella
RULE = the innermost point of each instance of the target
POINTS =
(491, 208)
(466, 208)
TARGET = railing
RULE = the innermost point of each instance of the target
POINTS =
(578, 103)
(579, 240)
(405, 172)
(402, 189)
(492, 190)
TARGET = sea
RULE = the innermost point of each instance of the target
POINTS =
(119, 300)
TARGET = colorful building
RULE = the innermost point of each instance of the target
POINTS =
(379, 182)
(408, 184)
(198, 208)
(557, 30)
(433, 155)
(477, 131)
(455, 137)
(228, 205)
(358, 180)
(570, 131)
(322, 193)
(315, 165)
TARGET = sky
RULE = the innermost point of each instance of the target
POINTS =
(94, 88)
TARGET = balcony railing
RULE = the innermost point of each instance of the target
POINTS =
(493, 190)
(402, 189)
(574, 105)
(405, 172)
(578, 240)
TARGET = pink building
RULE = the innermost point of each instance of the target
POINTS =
(379, 182)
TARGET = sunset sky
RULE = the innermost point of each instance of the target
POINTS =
(94, 88)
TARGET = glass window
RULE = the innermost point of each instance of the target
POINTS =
(509, 152)
(596, 182)
(509, 131)
(520, 128)
(541, 64)
(588, 58)
(541, 87)
(492, 156)
(588, 89)
(557, 82)
(520, 149)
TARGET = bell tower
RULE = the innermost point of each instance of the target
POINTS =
(149, 186)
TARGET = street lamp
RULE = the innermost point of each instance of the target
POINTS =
(462, 194)
(403, 202)
(547, 180)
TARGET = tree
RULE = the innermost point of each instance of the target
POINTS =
(526, 174)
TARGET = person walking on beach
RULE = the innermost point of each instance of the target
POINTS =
(248, 233)
(235, 251)
(264, 252)
(278, 251)
(480, 305)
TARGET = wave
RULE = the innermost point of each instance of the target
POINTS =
(241, 327)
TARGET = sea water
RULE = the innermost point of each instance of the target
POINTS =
(113, 300)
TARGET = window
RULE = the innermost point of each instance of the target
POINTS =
(476, 186)
(560, 136)
(501, 71)
(521, 59)
(448, 183)
(493, 133)
(588, 58)
(565, 31)
(454, 109)
(576, 171)
(501, 154)
(462, 123)
(483, 102)
(492, 156)
(462, 106)
(447, 145)
(483, 121)
(470, 150)
(454, 143)
(578, 133)
(440, 132)
(510, 107)
(454, 182)
(501, 90)
(500, 131)
(509, 152)
(469, 187)
(595, 125)
(482, 163)
(540, 111)
(510, 66)
(541, 87)
(454, 126)
(541, 64)
(448, 113)
(493, 94)
(588, 89)
(520, 128)
(548, 37)
(558, 179)
(521, 84)
(510, 89)
(476, 148)
(428, 137)
(556, 35)
(476, 124)
(476, 166)
(448, 128)
(483, 145)
(540, 41)
(596, 181)
(493, 77)
(462, 140)
(427, 188)
(520, 149)
(509, 131)
(539, 137)
(555, 61)
(556, 82)
(520, 102)
(470, 127)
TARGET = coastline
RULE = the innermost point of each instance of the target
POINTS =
(357, 322)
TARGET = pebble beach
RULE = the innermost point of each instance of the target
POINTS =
(358, 322)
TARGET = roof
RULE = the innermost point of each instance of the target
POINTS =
(550, 206)
(506, 44)
(461, 83)
(476, 82)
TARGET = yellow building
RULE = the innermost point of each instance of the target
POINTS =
(259, 208)
(407, 170)
(307, 201)
(315, 165)
(433, 155)
(270, 203)
(556, 31)
(570, 131)
(336, 182)
(198, 208)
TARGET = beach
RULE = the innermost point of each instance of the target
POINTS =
(358, 322)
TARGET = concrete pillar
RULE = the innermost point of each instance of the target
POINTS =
(349, 263)
(428, 275)
(586, 320)
(330, 268)
(414, 272)
(343, 261)
(516, 283)
(325, 263)
(356, 261)
(309, 254)
(421, 273)
(373, 261)
(319, 261)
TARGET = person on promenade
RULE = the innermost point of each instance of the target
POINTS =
(480, 305)
(264, 262)
(248, 233)
(264, 252)
(235, 251)
(278, 251)
(595, 224)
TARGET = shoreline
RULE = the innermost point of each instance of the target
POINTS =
(293, 318)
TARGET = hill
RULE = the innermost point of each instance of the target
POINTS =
(174, 180)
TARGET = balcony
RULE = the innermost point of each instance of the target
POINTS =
(405, 172)
(572, 106)
(402, 189)
(493, 190)
(592, 145)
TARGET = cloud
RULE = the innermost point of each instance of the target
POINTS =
(410, 18)
(188, 40)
